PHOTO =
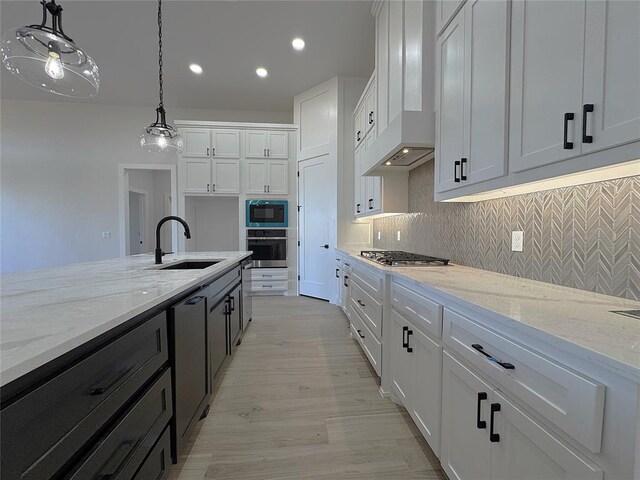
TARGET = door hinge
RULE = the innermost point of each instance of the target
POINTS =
(298, 242)
(299, 206)
(298, 277)
(298, 173)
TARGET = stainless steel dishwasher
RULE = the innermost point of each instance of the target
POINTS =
(247, 306)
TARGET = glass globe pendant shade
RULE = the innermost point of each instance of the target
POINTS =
(47, 59)
(160, 137)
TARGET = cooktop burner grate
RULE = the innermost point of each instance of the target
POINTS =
(394, 258)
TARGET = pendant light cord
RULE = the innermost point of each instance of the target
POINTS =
(160, 51)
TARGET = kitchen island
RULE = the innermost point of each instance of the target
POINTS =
(106, 366)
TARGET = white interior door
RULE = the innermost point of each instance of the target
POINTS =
(137, 223)
(316, 261)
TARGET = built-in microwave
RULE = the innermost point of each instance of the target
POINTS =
(267, 213)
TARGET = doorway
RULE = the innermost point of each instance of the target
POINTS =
(138, 226)
(147, 194)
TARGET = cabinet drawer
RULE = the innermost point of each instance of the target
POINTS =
(569, 400)
(156, 465)
(269, 285)
(424, 313)
(368, 341)
(43, 429)
(120, 452)
(369, 309)
(258, 274)
(369, 282)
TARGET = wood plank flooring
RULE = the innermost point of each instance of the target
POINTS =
(299, 401)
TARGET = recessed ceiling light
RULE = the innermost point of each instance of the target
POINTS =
(297, 43)
(261, 72)
(388, 162)
(195, 68)
(405, 150)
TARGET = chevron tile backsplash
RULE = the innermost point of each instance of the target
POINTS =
(586, 237)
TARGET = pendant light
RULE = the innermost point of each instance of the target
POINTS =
(160, 137)
(47, 58)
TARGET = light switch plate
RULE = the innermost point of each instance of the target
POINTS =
(398, 236)
(517, 241)
(106, 235)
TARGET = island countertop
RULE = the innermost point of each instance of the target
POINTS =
(553, 313)
(47, 313)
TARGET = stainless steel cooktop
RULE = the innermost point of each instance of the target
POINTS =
(394, 258)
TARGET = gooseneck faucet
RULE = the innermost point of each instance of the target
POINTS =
(187, 234)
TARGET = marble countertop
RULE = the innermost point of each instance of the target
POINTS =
(582, 318)
(47, 313)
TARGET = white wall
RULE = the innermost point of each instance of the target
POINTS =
(214, 224)
(59, 175)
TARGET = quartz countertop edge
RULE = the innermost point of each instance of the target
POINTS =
(48, 313)
(550, 313)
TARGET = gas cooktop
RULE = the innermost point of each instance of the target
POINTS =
(392, 258)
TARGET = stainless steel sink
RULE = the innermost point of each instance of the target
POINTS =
(189, 265)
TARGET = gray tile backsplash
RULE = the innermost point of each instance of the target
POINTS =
(586, 237)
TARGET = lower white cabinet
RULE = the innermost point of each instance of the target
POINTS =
(268, 280)
(486, 436)
(416, 370)
(267, 176)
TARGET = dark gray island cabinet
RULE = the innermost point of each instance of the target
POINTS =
(122, 405)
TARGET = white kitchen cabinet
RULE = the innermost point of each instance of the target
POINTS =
(472, 95)
(611, 74)
(359, 125)
(225, 143)
(197, 176)
(266, 144)
(267, 177)
(370, 110)
(226, 176)
(373, 195)
(445, 9)
(547, 53)
(401, 379)
(197, 142)
(486, 436)
(465, 449)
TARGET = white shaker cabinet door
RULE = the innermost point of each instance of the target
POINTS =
(256, 176)
(547, 51)
(425, 403)
(225, 143)
(278, 145)
(611, 107)
(255, 144)
(450, 84)
(465, 449)
(278, 178)
(526, 450)
(486, 74)
(226, 176)
(197, 142)
(401, 380)
(197, 175)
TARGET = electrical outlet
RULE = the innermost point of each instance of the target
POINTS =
(379, 234)
(398, 236)
(106, 235)
(517, 241)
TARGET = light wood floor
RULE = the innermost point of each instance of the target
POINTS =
(299, 401)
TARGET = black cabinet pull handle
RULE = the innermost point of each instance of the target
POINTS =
(358, 136)
(567, 116)
(405, 339)
(110, 381)
(213, 151)
(494, 437)
(481, 423)
(360, 334)
(233, 303)
(346, 277)
(194, 300)
(463, 162)
(360, 303)
(586, 109)
(371, 204)
(491, 358)
(409, 349)
(207, 151)
(337, 272)
(357, 208)
(456, 164)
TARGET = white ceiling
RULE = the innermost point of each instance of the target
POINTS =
(228, 38)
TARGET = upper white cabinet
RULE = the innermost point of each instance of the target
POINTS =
(404, 81)
(471, 91)
(204, 143)
(226, 176)
(267, 177)
(574, 81)
(266, 144)
(611, 74)
(217, 176)
(197, 176)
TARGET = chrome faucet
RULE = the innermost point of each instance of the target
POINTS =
(187, 234)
